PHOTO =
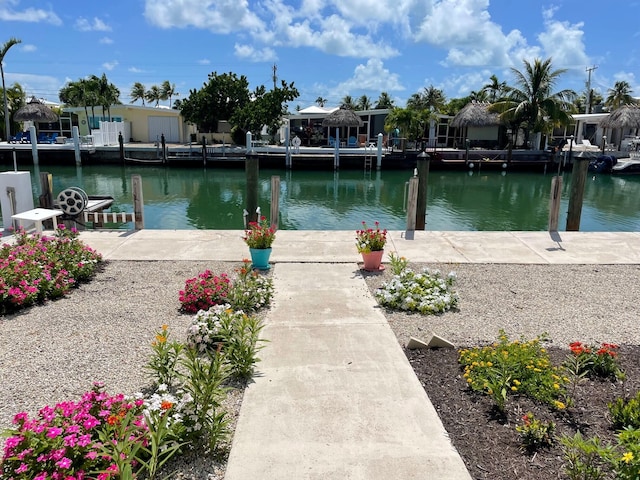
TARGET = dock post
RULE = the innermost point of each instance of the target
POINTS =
(204, 151)
(251, 172)
(75, 133)
(121, 146)
(34, 144)
(164, 148)
(578, 179)
(554, 202)
(379, 154)
(45, 199)
(423, 177)
(412, 202)
(138, 201)
(287, 146)
(275, 201)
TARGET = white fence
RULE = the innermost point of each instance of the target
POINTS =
(108, 133)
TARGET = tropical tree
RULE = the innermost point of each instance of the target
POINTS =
(138, 92)
(218, 99)
(107, 93)
(168, 91)
(347, 102)
(265, 109)
(153, 94)
(495, 89)
(619, 95)
(479, 96)
(434, 98)
(532, 104)
(411, 122)
(364, 103)
(78, 94)
(384, 101)
(3, 52)
(16, 99)
(321, 101)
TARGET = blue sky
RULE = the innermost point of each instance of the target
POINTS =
(329, 48)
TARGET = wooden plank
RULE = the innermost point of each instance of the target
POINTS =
(412, 203)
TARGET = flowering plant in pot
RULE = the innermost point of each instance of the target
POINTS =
(259, 237)
(370, 243)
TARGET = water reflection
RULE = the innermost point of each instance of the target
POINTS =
(325, 200)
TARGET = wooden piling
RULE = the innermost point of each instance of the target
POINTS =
(423, 178)
(121, 145)
(554, 203)
(412, 203)
(275, 200)
(252, 172)
(204, 151)
(138, 201)
(578, 180)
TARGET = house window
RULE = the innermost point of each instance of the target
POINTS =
(94, 122)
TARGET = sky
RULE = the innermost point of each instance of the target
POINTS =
(327, 48)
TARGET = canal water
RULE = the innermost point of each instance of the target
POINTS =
(196, 198)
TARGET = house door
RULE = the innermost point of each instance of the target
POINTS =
(164, 125)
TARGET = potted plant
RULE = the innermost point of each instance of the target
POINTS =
(370, 243)
(259, 237)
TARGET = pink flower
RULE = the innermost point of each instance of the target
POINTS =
(54, 432)
(64, 462)
(22, 468)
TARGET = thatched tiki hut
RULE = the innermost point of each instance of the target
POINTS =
(626, 117)
(343, 117)
(476, 123)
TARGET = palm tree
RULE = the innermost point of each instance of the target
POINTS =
(76, 94)
(167, 91)
(532, 104)
(138, 92)
(619, 95)
(434, 98)
(3, 51)
(364, 103)
(321, 101)
(347, 102)
(494, 89)
(153, 94)
(479, 96)
(384, 101)
(107, 93)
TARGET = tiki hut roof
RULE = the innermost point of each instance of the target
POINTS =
(626, 116)
(475, 114)
(35, 111)
(343, 117)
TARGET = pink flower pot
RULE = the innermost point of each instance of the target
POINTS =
(372, 260)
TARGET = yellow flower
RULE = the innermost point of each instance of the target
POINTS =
(161, 339)
(556, 386)
(165, 327)
(627, 457)
(489, 364)
(559, 405)
(514, 388)
(517, 382)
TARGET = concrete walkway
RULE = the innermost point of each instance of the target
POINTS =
(335, 397)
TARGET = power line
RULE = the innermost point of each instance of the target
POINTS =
(589, 70)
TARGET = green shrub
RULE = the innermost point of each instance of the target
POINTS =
(625, 413)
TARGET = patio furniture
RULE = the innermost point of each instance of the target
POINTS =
(353, 142)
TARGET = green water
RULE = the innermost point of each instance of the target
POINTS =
(196, 198)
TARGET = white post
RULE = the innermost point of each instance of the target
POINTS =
(76, 144)
(379, 155)
(34, 144)
(249, 142)
(287, 135)
(336, 160)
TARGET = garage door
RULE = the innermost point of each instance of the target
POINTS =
(164, 125)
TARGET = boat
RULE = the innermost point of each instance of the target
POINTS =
(628, 166)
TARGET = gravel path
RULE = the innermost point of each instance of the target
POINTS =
(103, 330)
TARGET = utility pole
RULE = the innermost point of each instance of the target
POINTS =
(589, 70)
(275, 76)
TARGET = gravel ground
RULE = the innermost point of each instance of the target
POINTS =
(102, 331)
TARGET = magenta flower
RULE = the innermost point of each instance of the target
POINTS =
(64, 462)
(53, 432)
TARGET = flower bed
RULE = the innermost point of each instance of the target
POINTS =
(39, 267)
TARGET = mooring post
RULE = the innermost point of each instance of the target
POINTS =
(251, 171)
(554, 202)
(578, 180)
(46, 188)
(138, 201)
(423, 178)
(164, 148)
(412, 203)
(121, 145)
(275, 201)
(204, 151)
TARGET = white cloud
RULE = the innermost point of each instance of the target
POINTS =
(110, 65)
(27, 47)
(106, 41)
(9, 12)
(98, 25)
(204, 61)
(563, 42)
(255, 55)
(35, 83)
(135, 70)
(371, 77)
(223, 16)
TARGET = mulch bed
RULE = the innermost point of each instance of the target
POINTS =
(487, 440)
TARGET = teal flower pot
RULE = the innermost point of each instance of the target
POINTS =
(260, 258)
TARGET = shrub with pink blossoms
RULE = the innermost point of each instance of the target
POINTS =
(38, 267)
(204, 291)
(63, 441)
